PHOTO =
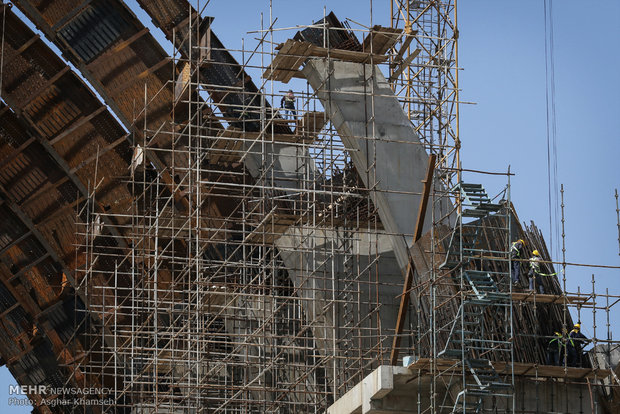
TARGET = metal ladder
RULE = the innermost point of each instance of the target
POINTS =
(467, 341)
(475, 203)
(348, 307)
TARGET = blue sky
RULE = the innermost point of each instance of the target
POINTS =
(502, 50)
(502, 53)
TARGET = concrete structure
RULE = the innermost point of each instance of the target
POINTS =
(189, 249)
(383, 144)
(390, 390)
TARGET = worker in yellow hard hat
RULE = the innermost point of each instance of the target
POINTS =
(576, 342)
(554, 348)
(534, 274)
(516, 252)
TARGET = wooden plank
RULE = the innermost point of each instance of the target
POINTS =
(403, 49)
(293, 53)
(380, 39)
(549, 371)
(312, 122)
(404, 65)
(288, 59)
(524, 369)
(545, 298)
(301, 51)
(271, 227)
(277, 63)
(347, 55)
(225, 140)
(419, 225)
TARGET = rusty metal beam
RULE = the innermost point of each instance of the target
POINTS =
(69, 16)
(233, 104)
(96, 82)
(44, 87)
(62, 210)
(22, 49)
(28, 349)
(122, 87)
(28, 125)
(14, 242)
(43, 190)
(26, 301)
(102, 151)
(16, 151)
(29, 266)
(77, 124)
(108, 93)
(417, 233)
(9, 310)
(23, 217)
(38, 314)
(74, 179)
(122, 45)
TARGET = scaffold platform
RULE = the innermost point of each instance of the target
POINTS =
(452, 366)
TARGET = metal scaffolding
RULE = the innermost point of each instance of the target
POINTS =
(265, 256)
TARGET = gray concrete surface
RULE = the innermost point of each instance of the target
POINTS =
(383, 144)
(390, 390)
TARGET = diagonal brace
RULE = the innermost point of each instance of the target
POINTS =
(404, 297)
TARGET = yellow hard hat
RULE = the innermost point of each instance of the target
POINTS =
(577, 326)
(521, 241)
(535, 253)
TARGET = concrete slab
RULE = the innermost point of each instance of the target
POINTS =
(375, 386)
(391, 389)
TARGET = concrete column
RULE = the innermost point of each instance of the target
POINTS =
(383, 144)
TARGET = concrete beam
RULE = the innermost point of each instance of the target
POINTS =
(383, 144)
(392, 389)
(375, 386)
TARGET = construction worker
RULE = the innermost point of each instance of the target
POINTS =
(534, 274)
(577, 341)
(554, 348)
(516, 250)
(288, 103)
